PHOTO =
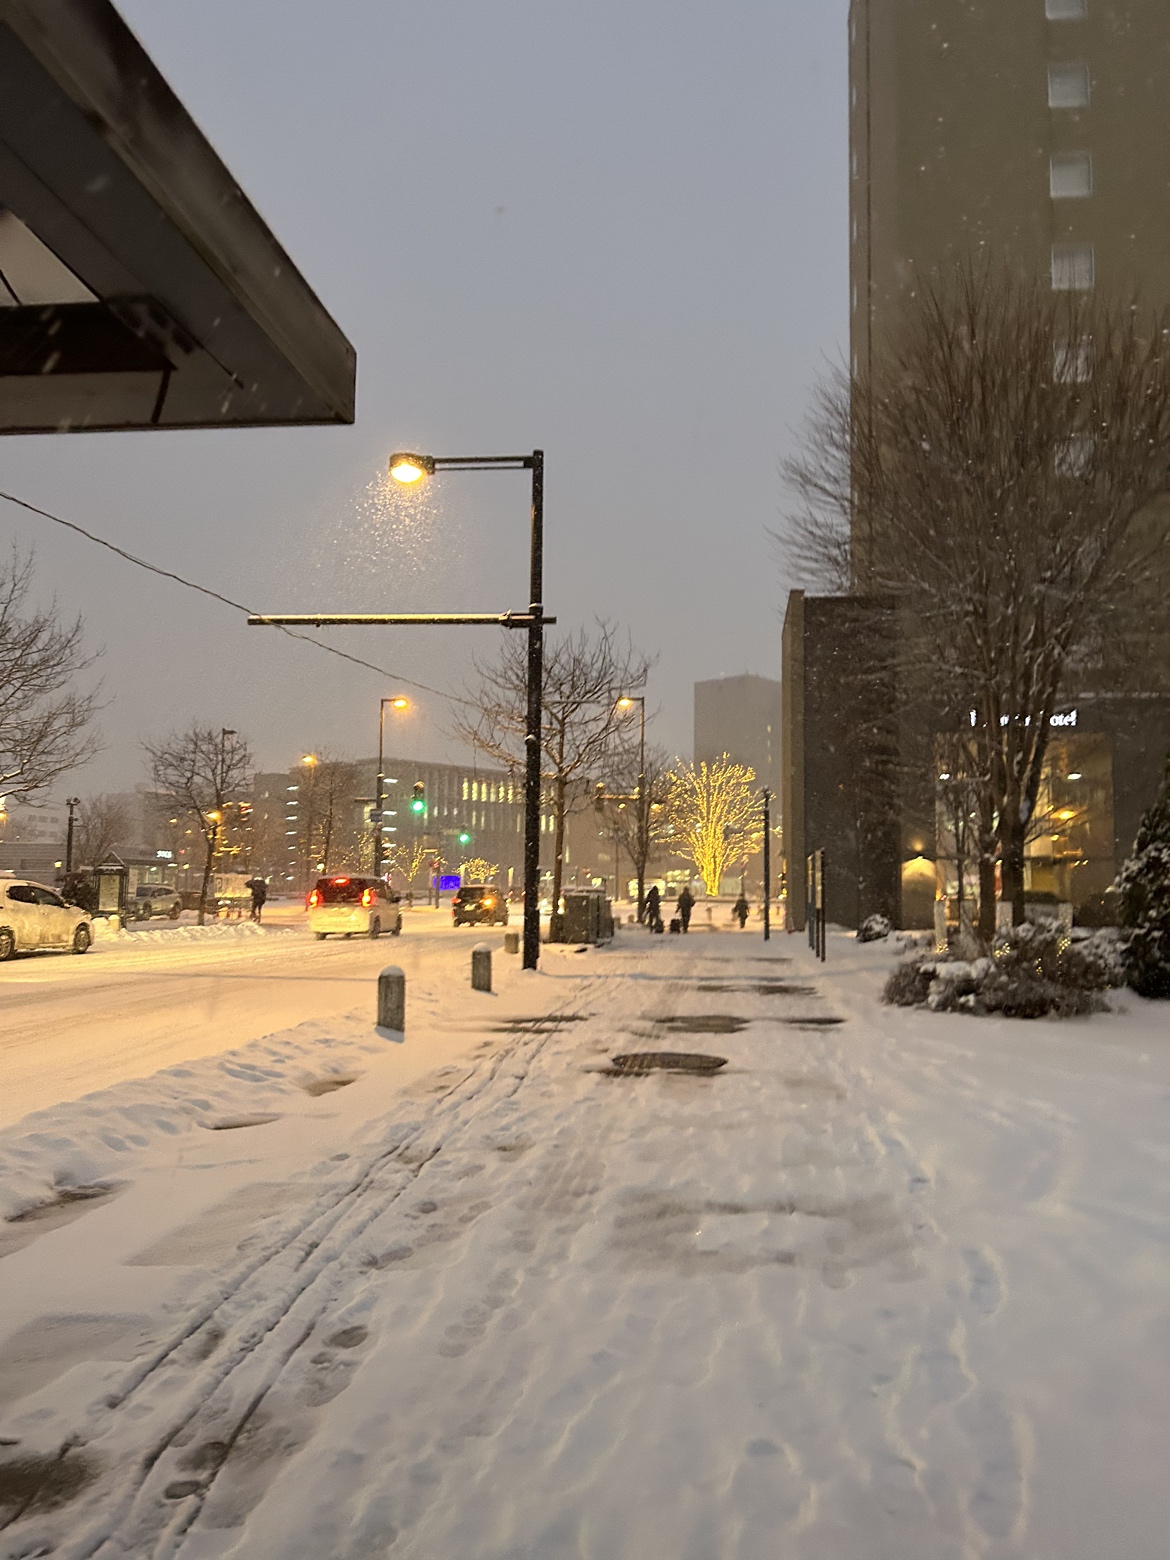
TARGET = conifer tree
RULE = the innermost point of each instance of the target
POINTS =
(1144, 886)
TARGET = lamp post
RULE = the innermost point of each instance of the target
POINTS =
(397, 702)
(767, 865)
(408, 469)
(71, 802)
(626, 702)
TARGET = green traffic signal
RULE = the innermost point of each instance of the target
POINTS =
(419, 800)
(465, 838)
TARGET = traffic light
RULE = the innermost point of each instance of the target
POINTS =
(465, 838)
(418, 803)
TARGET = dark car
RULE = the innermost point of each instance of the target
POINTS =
(479, 904)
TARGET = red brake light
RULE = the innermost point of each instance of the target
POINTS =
(367, 896)
(314, 899)
(341, 880)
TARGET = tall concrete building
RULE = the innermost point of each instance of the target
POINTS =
(740, 716)
(1031, 133)
(1030, 130)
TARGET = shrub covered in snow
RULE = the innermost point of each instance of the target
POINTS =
(1034, 971)
(874, 928)
(1144, 890)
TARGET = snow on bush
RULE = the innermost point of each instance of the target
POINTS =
(1034, 971)
(1144, 890)
(873, 929)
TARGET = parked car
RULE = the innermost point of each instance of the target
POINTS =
(33, 917)
(346, 906)
(479, 904)
(150, 900)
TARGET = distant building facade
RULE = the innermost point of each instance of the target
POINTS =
(740, 716)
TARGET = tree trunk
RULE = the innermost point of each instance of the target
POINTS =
(558, 848)
(1012, 832)
(207, 865)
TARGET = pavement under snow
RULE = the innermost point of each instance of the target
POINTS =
(891, 1286)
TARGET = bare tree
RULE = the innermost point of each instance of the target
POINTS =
(584, 676)
(102, 822)
(638, 817)
(44, 723)
(330, 835)
(997, 477)
(200, 771)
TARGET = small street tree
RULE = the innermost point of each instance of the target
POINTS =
(200, 771)
(584, 676)
(638, 820)
(44, 721)
(101, 823)
(478, 870)
(998, 478)
(714, 815)
(1144, 888)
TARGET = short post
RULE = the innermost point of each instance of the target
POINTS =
(392, 999)
(511, 942)
(481, 967)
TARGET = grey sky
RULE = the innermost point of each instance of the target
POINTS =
(615, 229)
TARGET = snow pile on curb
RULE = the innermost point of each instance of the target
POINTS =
(214, 931)
(85, 1142)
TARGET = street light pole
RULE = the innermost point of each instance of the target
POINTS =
(643, 827)
(398, 702)
(767, 865)
(71, 802)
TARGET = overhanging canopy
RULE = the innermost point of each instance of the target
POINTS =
(138, 285)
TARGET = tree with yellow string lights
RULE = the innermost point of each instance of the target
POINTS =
(712, 817)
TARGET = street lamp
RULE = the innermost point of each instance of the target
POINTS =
(396, 701)
(408, 468)
(71, 802)
(625, 704)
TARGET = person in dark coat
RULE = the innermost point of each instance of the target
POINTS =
(259, 891)
(653, 908)
(740, 910)
(686, 903)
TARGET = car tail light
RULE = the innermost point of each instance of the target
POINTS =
(488, 903)
(314, 900)
(340, 881)
(367, 896)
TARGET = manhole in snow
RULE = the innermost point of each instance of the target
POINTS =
(813, 1022)
(703, 1024)
(636, 1062)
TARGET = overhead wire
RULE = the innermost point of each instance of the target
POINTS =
(237, 606)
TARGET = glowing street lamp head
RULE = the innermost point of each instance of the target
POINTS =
(625, 703)
(408, 468)
(400, 703)
(310, 759)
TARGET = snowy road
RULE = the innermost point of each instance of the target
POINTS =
(69, 1025)
(888, 1288)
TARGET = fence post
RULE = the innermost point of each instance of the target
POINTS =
(392, 999)
(511, 942)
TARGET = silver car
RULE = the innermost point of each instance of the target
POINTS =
(33, 916)
(151, 899)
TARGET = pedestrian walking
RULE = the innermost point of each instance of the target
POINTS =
(740, 910)
(259, 891)
(654, 908)
(686, 903)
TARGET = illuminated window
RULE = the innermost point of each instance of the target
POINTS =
(1070, 175)
(1066, 10)
(1068, 85)
(1073, 268)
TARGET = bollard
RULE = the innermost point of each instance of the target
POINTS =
(481, 967)
(511, 942)
(392, 999)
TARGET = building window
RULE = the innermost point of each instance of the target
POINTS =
(1066, 10)
(1072, 268)
(1072, 362)
(1070, 175)
(1068, 86)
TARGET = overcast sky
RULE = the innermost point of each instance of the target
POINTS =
(614, 229)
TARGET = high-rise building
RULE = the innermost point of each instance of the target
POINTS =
(1029, 133)
(740, 716)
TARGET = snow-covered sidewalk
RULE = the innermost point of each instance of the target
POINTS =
(890, 1286)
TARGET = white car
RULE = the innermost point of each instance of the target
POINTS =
(33, 916)
(347, 906)
(150, 900)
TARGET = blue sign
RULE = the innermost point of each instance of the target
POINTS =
(449, 882)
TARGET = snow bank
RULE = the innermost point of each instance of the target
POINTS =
(175, 936)
(86, 1142)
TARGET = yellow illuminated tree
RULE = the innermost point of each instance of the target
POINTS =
(713, 817)
(477, 870)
